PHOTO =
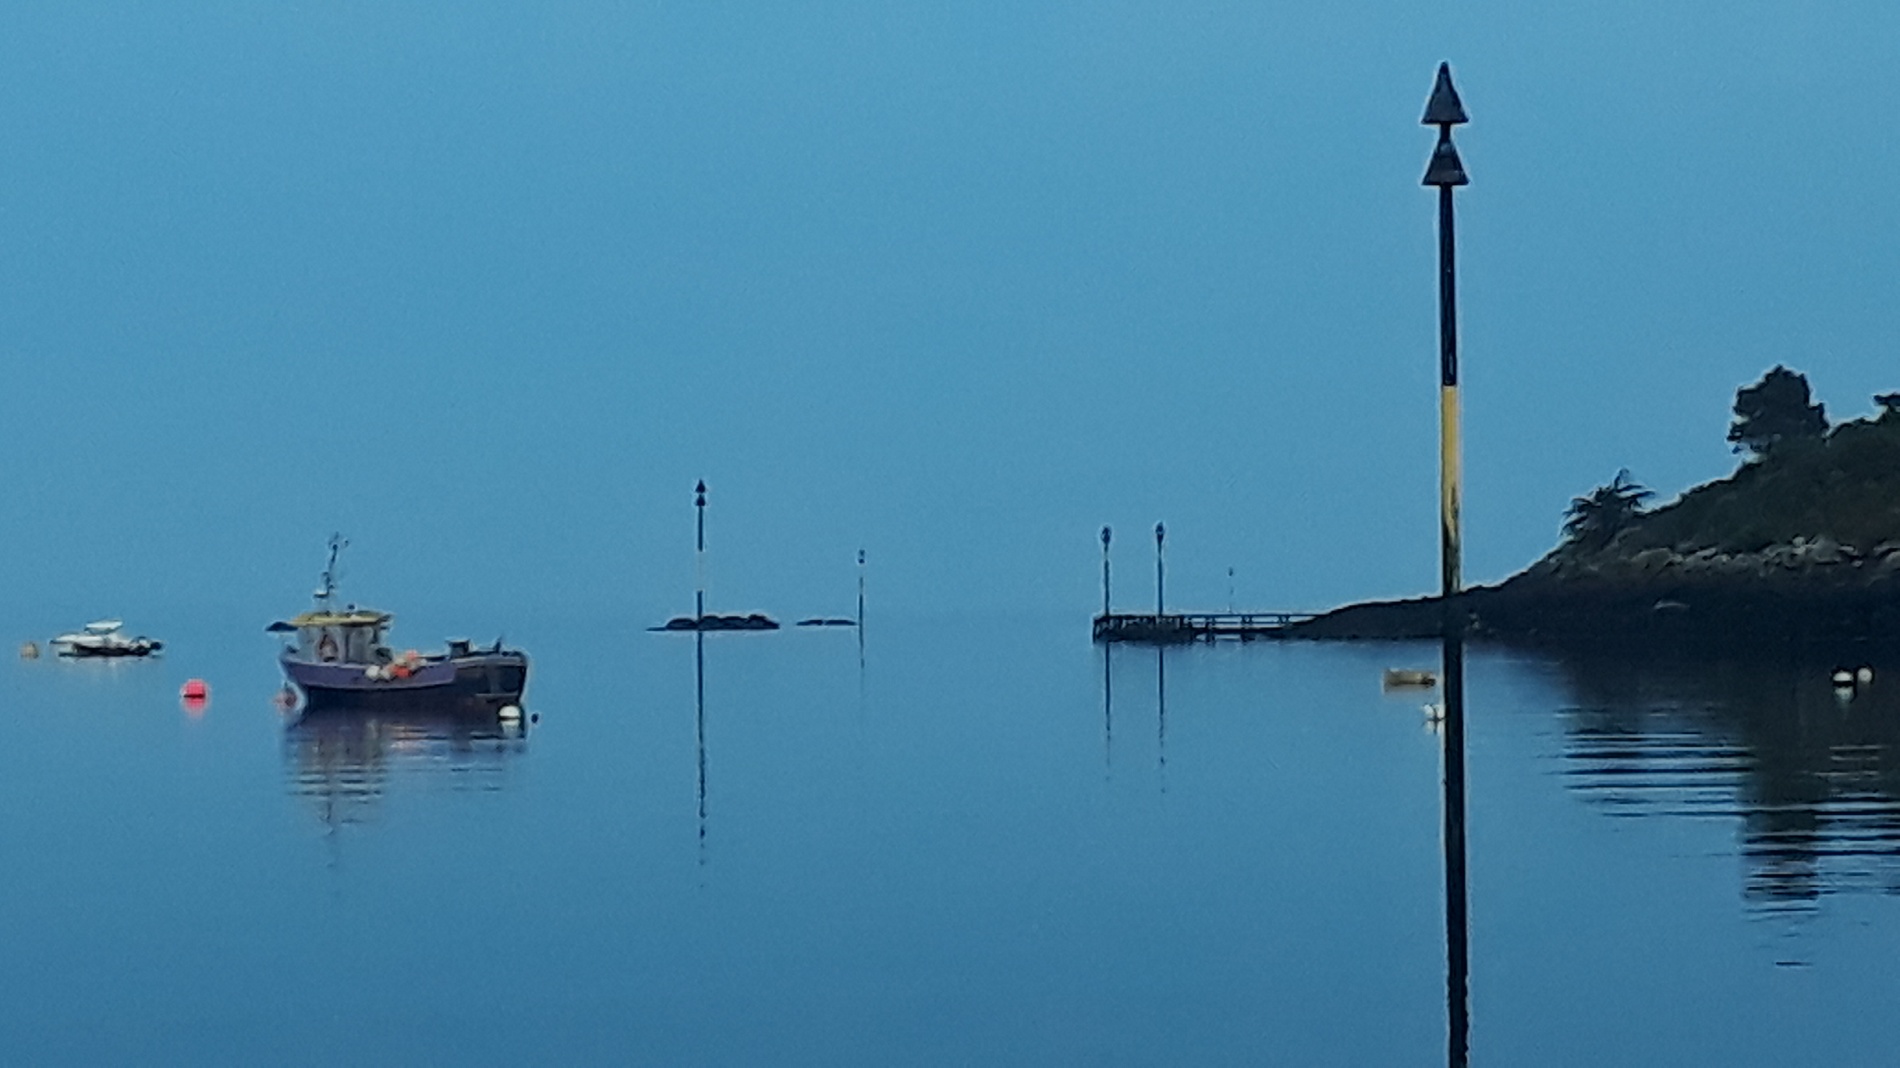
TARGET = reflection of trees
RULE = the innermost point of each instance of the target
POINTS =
(1759, 735)
(343, 761)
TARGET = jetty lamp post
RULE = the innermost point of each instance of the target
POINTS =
(699, 557)
(1161, 534)
(1107, 534)
(1447, 172)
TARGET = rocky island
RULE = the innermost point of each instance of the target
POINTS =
(1801, 542)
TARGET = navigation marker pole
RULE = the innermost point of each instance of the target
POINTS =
(699, 558)
(1107, 534)
(1446, 171)
(1161, 534)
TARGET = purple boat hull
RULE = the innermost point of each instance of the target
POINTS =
(482, 682)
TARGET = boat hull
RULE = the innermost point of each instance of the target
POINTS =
(479, 683)
(83, 651)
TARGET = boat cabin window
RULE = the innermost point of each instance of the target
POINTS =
(356, 644)
(310, 643)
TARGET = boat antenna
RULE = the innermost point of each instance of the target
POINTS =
(337, 544)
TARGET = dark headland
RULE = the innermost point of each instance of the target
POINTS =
(1801, 542)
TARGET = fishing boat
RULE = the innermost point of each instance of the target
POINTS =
(340, 657)
(104, 638)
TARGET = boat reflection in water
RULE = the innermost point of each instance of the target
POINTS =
(345, 760)
(1809, 770)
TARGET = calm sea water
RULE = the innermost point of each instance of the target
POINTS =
(982, 842)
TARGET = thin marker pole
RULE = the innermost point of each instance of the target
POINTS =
(699, 558)
(1446, 171)
(1161, 534)
(860, 607)
(1450, 474)
(1106, 535)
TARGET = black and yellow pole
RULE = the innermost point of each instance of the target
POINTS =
(1447, 172)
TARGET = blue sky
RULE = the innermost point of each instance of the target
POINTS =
(488, 286)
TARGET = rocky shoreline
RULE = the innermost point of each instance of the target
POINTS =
(1811, 589)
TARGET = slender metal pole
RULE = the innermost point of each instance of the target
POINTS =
(1451, 490)
(1446, 171)
(699, 559)
(1457, 960)
(1161, 534)
(1106, 535)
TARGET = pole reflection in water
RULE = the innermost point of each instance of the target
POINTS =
(1161, 712)
(699, 733)
(1108, 707)
(1457, 933)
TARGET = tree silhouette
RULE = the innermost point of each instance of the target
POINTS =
(1775, 410)
(1590, 522)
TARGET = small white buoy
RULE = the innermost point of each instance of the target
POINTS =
(30, 651)
(1843, 678)
(1864, 676)
(510, 713)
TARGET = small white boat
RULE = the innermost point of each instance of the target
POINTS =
(104, 638)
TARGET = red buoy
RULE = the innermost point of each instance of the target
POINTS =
(194, 690)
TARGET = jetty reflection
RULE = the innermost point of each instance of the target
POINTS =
(344, 761)
(1808, 770)
(1161, 710)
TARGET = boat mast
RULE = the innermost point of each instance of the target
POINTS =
(337, 543)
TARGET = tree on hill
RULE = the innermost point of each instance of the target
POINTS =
(1590, 522)
(1774, 410)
